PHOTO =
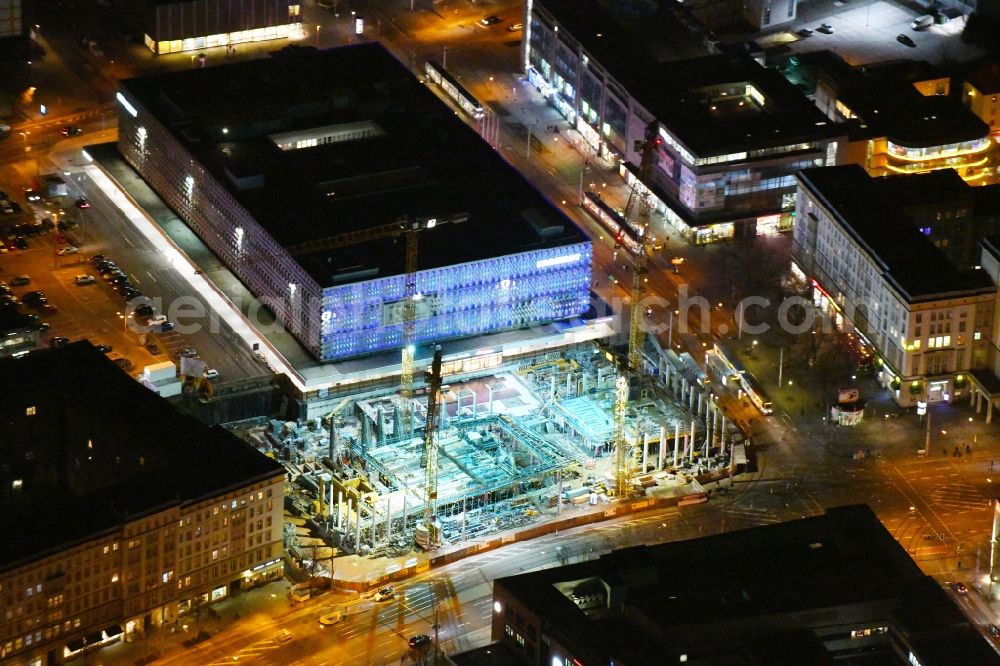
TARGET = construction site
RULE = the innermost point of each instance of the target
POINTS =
(487, 455)
(432, 464)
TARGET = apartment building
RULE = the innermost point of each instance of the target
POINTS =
(877, 273)
(121, 514)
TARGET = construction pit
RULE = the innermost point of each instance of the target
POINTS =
(521, 446)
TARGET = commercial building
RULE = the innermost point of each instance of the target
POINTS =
(874, 250)
(731, 132)
(119, 514)
(981, 93)
(264, 155)
(18, 333)
(171, 26)
(903, 120)
(834, 588)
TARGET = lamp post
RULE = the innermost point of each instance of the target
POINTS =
(318, 28)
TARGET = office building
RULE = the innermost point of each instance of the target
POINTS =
(903, 120)
(731, 132)
(874, 250)
(119, 514)
(264, 158)
(171, 26)
(834, 588)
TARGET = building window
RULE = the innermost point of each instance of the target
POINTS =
(30, 411)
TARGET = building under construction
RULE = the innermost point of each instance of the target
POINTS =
(512, 447)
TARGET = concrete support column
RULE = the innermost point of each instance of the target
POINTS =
(388, 516)
(701, 400)
(677, 442)
(340, 507)
(357, 524)
(691, 448)
(972, 396)
(645, 451)
(979, 402)
(662, 453)
(989, 410)
(490, 389)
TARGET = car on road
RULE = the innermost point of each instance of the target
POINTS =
(804, 32)
(20, 243)
(419, 641)
(491, 20)
(58, 341)
(81, 203)
(905, 40)
(514, 27)
(959, 588)
(283, 636)
(385, 593)
(103, 348)
(32, 196)
(152, 348)
(188, 352)
(70, 130)
(81, 280)
(69, 249)
(825, 28)
(212, 373)
(157, 320)
(994, 630)
(330, 618)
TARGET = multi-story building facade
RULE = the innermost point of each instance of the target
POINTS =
(902, 120)
(122, 514)
(981, 93)
(876, 272)
(731, 133)
(330, 155)
(168, 26)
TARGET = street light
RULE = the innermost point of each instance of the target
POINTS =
(318, 28)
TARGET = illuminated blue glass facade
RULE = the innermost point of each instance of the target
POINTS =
(479, 297)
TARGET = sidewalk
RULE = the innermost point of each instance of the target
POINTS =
(269, 601)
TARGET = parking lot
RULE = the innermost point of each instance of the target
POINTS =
(865, 32)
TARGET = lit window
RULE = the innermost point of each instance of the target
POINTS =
(978, 335)
(30, 411)
(16, 484)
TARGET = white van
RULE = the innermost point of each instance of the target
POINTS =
(922, 22)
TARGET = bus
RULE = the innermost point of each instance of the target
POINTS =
(613, 222)
(455, 90)
(758, 396)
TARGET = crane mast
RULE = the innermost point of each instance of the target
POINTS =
(637, 209)
(431, 447)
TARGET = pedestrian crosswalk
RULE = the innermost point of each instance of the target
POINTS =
(958, 498)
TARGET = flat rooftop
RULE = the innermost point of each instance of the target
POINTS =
(788, 580)
(697, 99)
(85, 448)
(349, 142)
(871, 210)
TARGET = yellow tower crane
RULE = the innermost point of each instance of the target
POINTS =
(407, 227)
(431, 451)
(637, 209)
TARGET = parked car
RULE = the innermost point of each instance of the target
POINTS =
(152, 348)
(97, 258)
(31, 296)
(70, 130)
(959, 588)
(514, 27)
(994, 630)
(157, 320)
(211, 373)
(48, 308)
(20, 243)
(103, 348)
(188, 352)
(144, 310)
(491, 20)
(32, 196)
(905, 40)
(58, 341)
(69, 249)
(419, 640)
(166, 326)
(825, 28)
(81, 203)
(81, 280)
